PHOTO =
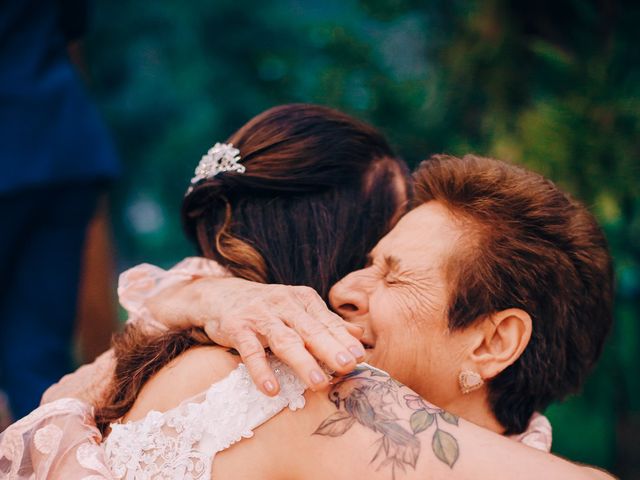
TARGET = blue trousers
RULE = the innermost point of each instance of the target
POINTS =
(42, 233)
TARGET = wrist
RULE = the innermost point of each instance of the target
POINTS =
(186, 304)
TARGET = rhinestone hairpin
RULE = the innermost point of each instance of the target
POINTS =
(222, 157)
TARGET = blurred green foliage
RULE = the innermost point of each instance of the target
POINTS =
(551, 85)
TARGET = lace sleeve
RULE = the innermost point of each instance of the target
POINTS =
(144, 281)
(56, 441)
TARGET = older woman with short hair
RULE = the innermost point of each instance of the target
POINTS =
(498, 293)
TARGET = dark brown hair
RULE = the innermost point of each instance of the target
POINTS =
(530, 246)
(319, 192)
(320, 189)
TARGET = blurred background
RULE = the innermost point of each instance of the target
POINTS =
(552, 85)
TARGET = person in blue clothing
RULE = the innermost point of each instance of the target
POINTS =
(56, 159)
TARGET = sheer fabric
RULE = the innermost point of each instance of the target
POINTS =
(58, 440)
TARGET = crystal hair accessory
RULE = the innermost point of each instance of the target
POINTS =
(222, 157)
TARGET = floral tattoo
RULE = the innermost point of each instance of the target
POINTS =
(369, 399)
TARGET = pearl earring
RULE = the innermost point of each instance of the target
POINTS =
(469, 381)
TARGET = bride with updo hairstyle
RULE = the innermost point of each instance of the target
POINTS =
(319, 189)
(304, 211)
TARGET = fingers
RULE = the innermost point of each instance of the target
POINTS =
(320, 342)
(297, 325)
(325, 333)
(254, 357)
(289, 347)
(340, 331)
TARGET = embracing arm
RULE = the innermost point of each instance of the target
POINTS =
(293, 321)
(194, 293)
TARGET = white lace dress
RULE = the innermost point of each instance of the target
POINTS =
(182, 442)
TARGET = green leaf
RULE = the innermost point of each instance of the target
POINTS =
(445, 446)
(449, 418)
(421, 420)
(336, 425)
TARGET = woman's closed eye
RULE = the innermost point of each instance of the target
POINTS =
(392, 272)
(392, 278)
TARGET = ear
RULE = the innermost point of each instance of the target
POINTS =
(500, 340)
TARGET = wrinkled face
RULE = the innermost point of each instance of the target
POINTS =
(401, 299)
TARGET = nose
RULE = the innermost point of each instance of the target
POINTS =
(349, 297)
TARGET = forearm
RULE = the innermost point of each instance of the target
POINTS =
(190, 303)
(158, 300)
(292, 320)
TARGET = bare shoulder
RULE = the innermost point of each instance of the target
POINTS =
(189, 374)
(361, 427)
(597, 474)
(378, 428)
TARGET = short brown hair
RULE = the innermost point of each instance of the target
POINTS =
(533, 247)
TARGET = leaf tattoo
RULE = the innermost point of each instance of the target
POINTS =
(449, 418)
(444, 445)
(369, 400)
(420, 420)
(336, 425)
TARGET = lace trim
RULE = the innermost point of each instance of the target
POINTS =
(182, 442)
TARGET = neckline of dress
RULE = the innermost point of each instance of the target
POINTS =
(193, 399)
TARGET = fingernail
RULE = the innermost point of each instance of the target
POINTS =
(317, 377)
(357, 352)
(343, 358)
(269, 386)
